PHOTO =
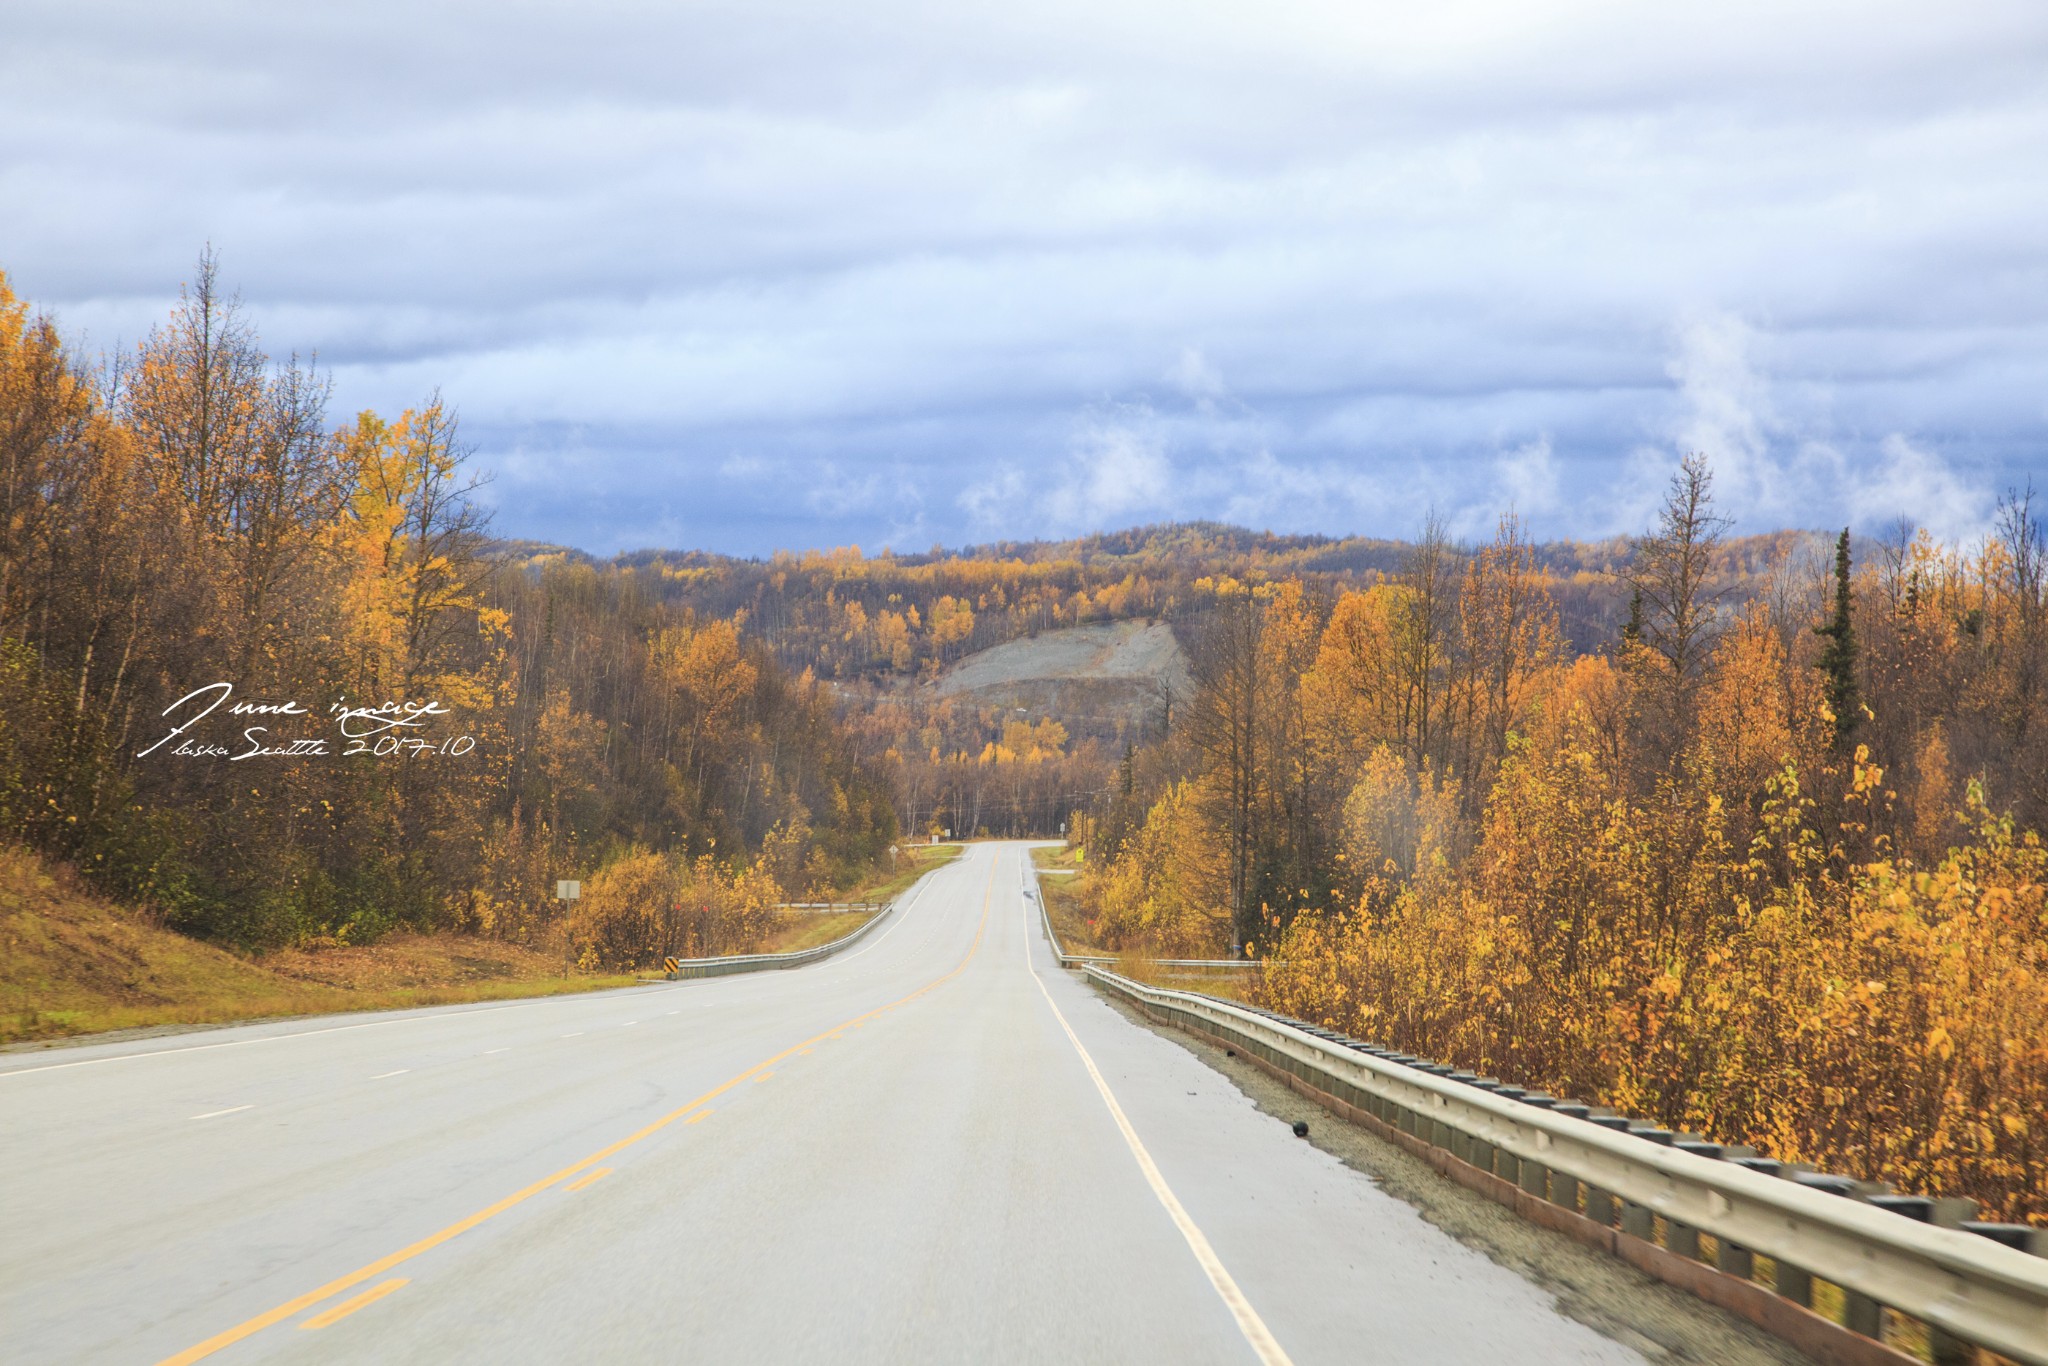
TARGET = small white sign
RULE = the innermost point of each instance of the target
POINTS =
(568, 891)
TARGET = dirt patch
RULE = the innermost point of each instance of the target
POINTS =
(1607, 1295)
(1127, 650)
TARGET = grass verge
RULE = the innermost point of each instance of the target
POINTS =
(913, 863)
(807, 930)
(72, 963)
(1060, 883)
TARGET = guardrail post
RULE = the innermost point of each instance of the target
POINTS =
(1600, 1206)
(1736, 1260)
(1683, 1239)
(1564, 1191)
(1862, 1314)
(1795, 1284)
(1635, 1220)
(1536, 1179)
(1949, 1350)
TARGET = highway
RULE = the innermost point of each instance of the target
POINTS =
(936, 1147)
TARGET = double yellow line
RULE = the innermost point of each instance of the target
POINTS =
(377, 1268)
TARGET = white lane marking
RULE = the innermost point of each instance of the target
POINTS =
(629, 1024)
(489, 1051)
(399, 1073)
(915, 897)
(1248, 1321)
(671, 1012)
(937, 925)
(231, 1110)
(577, 1035)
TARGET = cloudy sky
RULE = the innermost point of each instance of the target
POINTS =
(788, 273)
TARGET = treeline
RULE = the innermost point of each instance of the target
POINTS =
(1765, 866)
(880, 626)
(851, 616)
(980, 770)
(187, 516)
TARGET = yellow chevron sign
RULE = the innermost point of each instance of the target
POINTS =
(672, 964)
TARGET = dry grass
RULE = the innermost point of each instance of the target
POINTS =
(808, 929)
(1063, 901)
(1232, 984)
(72, 963)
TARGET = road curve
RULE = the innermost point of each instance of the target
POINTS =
(935, 1147)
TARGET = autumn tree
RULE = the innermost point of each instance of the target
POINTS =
(1226, 725)
(236, 456)
(1508, 631)
(1430, 678)
(1672, 570)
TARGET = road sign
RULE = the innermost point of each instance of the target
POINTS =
(568, 891)
(672, 964)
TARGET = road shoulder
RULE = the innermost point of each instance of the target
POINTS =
(1607, 1295)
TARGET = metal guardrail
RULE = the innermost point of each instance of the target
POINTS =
(824, 906)
(690, 968)
(1967, 1286)
(1235, 964)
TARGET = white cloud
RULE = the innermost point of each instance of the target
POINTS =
(1526, 480)
(995, 500)
(1727, 414)
(1915, 483)
(1195, 377)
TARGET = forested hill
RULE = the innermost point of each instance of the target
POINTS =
(889, 632)
(847, 615)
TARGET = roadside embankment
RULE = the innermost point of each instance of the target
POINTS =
(73, 963)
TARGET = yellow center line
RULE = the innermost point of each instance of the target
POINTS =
(701, 1114)
(588, 1179)
(251, 1327)
(347, 1307)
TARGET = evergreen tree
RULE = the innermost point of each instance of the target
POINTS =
(1838, 660)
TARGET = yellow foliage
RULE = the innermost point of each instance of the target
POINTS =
(1873, 1017)
(642, 906)
(1159, 896)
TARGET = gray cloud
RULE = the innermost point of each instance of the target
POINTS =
(766, 274)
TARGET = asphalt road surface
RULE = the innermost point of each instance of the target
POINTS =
(936, 1147)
